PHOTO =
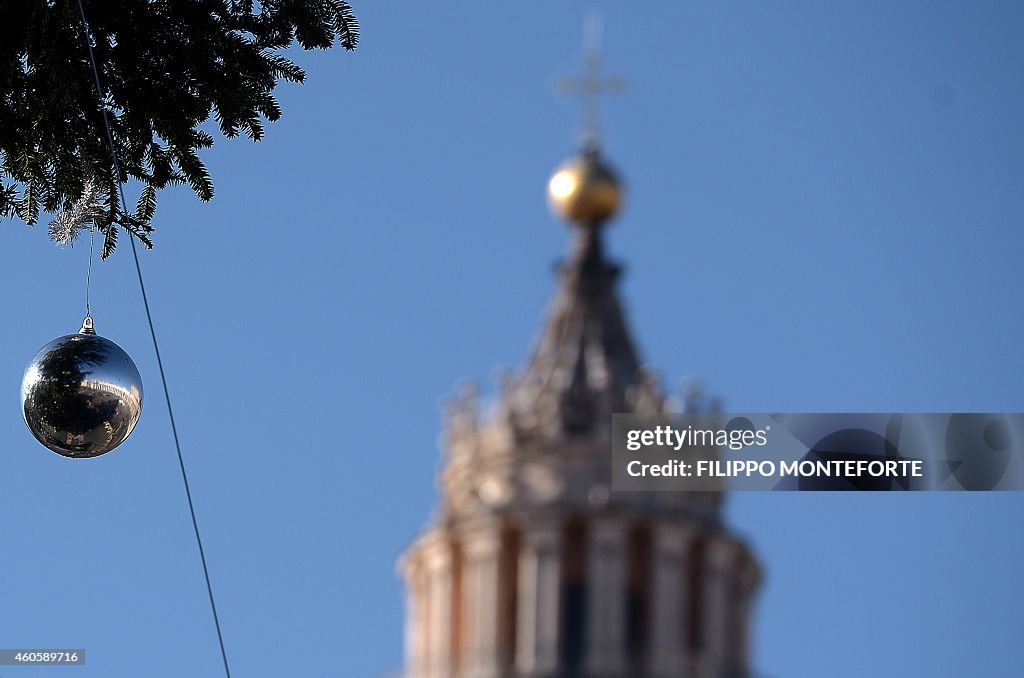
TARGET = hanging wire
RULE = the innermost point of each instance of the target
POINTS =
(88, 273)
(152, 333)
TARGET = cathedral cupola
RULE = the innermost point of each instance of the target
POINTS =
(532, 566)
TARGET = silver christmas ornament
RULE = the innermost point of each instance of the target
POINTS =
(81, 394)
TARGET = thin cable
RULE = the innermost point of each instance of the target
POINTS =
(181, 460)
(156, 345)
(88, 273)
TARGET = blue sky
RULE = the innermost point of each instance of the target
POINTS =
(824, 214)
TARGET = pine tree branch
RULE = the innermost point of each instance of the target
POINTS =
(167, 68)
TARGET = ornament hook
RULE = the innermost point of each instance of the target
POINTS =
(87, 327)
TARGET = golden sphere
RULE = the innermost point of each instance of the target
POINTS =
(585, 190)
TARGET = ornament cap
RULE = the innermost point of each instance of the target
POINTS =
(87, 326)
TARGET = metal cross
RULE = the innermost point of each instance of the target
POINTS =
(590, 85)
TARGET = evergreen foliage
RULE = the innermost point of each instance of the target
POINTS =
(167, 66)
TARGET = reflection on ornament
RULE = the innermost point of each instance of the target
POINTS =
(81, 394)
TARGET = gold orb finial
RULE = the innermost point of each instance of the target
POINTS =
(585, 190)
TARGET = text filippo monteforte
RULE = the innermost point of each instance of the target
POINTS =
(676, 439)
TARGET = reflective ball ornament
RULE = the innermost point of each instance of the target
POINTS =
(81, 394)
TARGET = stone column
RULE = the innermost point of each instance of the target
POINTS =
(749, 579)
(719, 606)
(480, 604)
(669, 605)
(605, 650)
(438, 560)
(414, 619)
(538, 607)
